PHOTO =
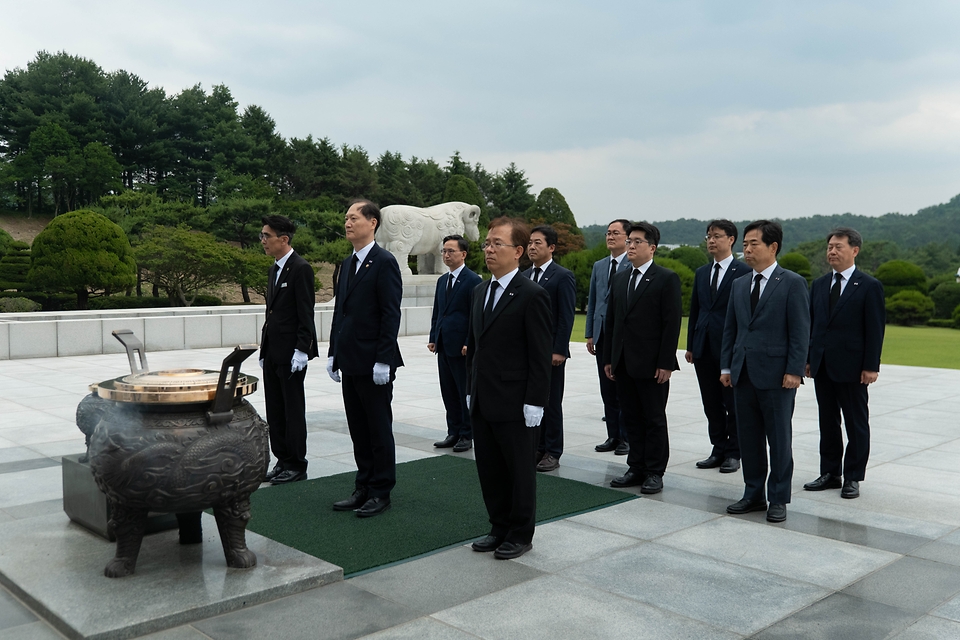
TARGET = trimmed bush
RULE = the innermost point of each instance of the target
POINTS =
(686, 279)
(900, 275)
(18, 305)
(798, 263)
(908, 308)
(956, 317)
(940, 322)
(14, 266)
(147, 302)
(946, 297)
(693, 257)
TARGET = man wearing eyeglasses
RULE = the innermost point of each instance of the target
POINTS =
(643, 321)
(509, 344)
(708, 310)
(287, 341)
(600, 281)
(448, 335)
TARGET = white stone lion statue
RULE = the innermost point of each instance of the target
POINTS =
(411, 231)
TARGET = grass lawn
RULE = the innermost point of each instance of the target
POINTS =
(911, 346)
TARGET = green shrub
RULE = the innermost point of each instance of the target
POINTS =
(14, 266)
(204, 300)
(127, 302)
(940, 322)
(946, 297)
(686, 279)
(693, 257)
(900, 275)
(956, 317)
(18, 305)
(909, 308)
(49, 301)
(798, 263)
(5, 241)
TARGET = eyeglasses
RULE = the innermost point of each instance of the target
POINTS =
(496, 245)
(266, 236)
(614, 234)
(636, 242)
(716, 237)
(447, 252)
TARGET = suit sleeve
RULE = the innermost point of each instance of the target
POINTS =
(694, 311)
(305, 298)
(390, 293)
(813, 296)
(566, 305)
(611, 323)
(671, 302)
(591, 303)
(337, 310)
(729, 329)
(875, 320)
(436, 311)
(798, 326)
(537, 326)
(471, 342)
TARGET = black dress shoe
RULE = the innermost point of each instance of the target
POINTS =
(851, 489)
(373, 507)
(289, 475)
(352, 503)
(510, 550)
(463, 444)
(653, 484)
(489, 543)
(622, 449)
(710, 463)
(746, 506)
(607, 445)
(629, 479)
(273, 473)
(447, 442)
(777, 513)
(730, 465)
(826, 481)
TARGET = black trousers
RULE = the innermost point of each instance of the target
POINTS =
(643, 406)
(551, 428)
(508, 478)
(370, 420)
(719, 407)
(453, 390)
(608, 393)
(850, 398)
(286, 413)
(765, 415)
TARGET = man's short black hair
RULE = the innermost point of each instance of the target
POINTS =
(854, 239)
(650, 233)
(370, 210)
(770, 232)
(460, 240)
(724, 225)
(281, 224)
(549, 233)
(624, 224)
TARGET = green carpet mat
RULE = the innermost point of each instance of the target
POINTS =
(436, 504)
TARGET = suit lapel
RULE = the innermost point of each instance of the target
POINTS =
(851, 289)
(274, 286)
(548, 273)
(768, 290)
(447, 293)
(506, 298)
(371, 258)
(645, 279)
(728, 277)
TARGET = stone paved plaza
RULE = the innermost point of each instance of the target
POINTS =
(674, 565)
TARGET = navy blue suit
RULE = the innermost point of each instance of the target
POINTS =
(561, 285)
(366, 321)
(448, 331)
(842, 345)
(704, 340)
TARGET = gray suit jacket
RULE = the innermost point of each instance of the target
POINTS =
(773, 341)
(597, 298)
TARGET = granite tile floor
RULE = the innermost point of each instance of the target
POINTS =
(674, 565)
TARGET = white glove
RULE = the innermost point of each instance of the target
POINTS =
(532, 415)
(261, 363)
(298, 362)
(468, 403)
(381, 373)
(334, 375)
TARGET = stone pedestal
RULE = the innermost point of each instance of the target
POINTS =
(418, 290)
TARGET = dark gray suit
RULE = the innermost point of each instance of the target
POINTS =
(759, 348)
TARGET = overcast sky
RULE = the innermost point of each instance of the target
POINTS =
(654, 110)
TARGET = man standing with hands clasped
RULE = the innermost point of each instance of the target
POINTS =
(364, 349)
(847, 316)
(765, 339)
(288, 339)
(509, 344)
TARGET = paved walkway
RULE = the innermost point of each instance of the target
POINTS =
(886, 565)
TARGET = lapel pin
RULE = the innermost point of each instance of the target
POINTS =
(856, 284)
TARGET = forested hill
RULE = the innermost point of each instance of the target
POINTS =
(939, 223)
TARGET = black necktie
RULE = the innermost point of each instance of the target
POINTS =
(488, 310)
(273, 280)
(835, 291)
(449, 283)
(633, 283)
(613, 272)
(353, 270)
(714, 282)
(536, 275)
(755, 294)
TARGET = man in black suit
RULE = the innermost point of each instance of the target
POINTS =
(287, 341)
(708, 310)
(508, 377)
(600, 280)
(561, 286)
(765, 339)
(448, 335)
(640, 354)
(847, 318)
(364, 349)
